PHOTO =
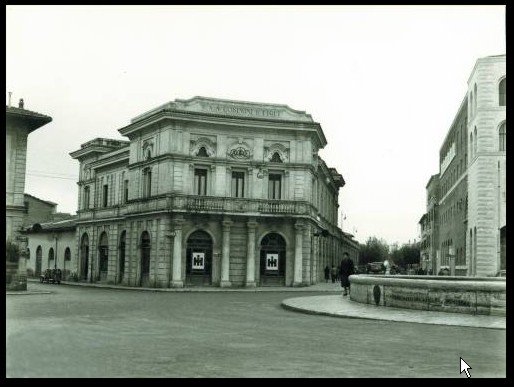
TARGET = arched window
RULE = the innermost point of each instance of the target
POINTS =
(471, 104)
(475, 147)
(28, 253)
(50, 255)
(276, 158)
(67, 254)
(121, 262)
(475, 100)
(103, 251)
(148, 154)
(147, 182)
(202, 152)
(502, 134)
(145, 258)
(502, 92)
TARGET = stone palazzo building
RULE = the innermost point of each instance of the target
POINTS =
(209, 192)
(464, 228)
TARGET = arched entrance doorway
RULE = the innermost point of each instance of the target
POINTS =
(199, 259)
(51, 263)
(103, 256)
(121, 263)
(145, 259)
(273, 260)
(39, 260)
(84, 257)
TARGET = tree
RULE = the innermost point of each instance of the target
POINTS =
(374, 250)
(406, 255)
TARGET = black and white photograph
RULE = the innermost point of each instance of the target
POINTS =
(256, 191)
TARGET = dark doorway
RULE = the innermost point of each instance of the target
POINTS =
(39, 260)
(199, 259)
(121, 262)
(273, 260)
(145, 259)
(103, 255)
(84, 256)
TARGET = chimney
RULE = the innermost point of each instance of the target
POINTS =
(21, 103)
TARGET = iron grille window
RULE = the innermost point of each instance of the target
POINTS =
(503, 137)
(125, 188)
(147, 183)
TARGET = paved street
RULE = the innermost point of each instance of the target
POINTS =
(94, 332)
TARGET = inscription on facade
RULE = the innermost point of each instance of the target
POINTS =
(240, 110)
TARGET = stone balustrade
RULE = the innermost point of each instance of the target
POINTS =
(201, 204)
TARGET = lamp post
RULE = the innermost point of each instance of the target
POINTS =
(451, 259)
(55, 255)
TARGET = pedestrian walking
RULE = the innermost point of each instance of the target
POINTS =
(334, 274)
(327, 273)
(347, 269)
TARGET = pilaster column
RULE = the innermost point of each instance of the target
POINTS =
(250, 260)
(177, 281)
(298, 257)
(225, 255)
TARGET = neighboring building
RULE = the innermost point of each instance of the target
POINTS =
(453, 190)
(52, 245)
(429, 242)
(19, 124)
(209, 191)
(470, 211)
(37, 210)
(487, 132)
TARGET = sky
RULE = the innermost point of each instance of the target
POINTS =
(384, 82)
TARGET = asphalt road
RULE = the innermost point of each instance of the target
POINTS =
(90, 332)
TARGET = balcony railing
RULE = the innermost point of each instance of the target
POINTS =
(202, 204)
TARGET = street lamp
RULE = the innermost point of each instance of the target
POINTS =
(451, 259)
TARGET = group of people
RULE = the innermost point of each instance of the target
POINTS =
(345, 269)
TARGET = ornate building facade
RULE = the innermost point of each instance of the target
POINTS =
(209, 192)
(470, 216)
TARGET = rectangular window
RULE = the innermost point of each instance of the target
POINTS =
(275, 186)
(125, 191)
(86, 198)
(200, 187)
(238, 184)
(105, 193)
(147, 183)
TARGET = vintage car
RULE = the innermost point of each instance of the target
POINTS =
(51, 276)
(375, 268)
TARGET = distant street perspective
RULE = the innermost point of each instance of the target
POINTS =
(87, 332)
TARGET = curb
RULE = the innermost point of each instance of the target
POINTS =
(196, 289)
(286, 304)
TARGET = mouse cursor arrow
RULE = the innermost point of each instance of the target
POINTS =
(464, 367)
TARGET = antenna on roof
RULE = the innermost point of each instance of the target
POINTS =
(10, 92)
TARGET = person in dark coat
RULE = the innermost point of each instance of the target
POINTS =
(327, 273)
(347, 269)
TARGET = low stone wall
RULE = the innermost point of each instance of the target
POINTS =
(481, 295)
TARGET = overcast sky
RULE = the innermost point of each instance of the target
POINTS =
(384, 82)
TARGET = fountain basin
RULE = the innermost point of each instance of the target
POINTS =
(471, 295)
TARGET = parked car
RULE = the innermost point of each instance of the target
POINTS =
(51, 276)
(375, 268)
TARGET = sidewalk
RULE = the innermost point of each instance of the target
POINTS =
(339, 306)
(320, 287)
